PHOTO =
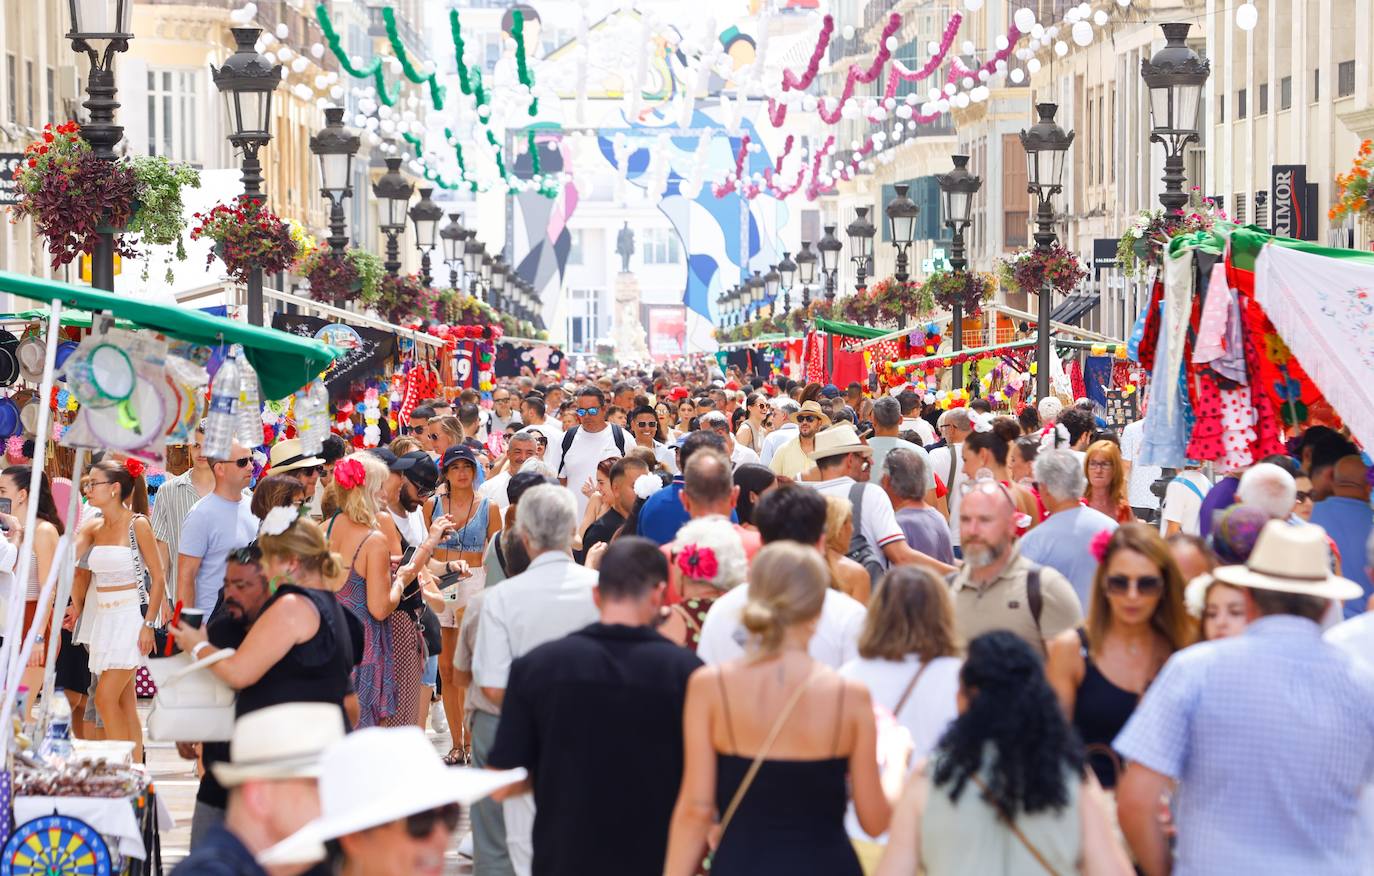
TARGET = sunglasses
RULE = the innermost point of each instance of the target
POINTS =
(647, 424)
(542, 441)
(433, 436)
(497, 401)
(315, 470)
(421, 824)
(1304, 496)
(240, 463)
(1146, 585)
(588, 412)
(808, 419)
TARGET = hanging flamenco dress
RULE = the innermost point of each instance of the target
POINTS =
(1167, 428)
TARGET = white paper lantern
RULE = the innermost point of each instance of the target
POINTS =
(980, 94)
(1017, 76)
(1001, 65)
(1001, 42)
(984, 76)
(1024, 19)
(283, 31)
(1033, 66)
(1082, 33)
(903, 112)
(1052, 31)
(968, 47)
(848, 32)
(1061, 48)
(360, 121)
(299, 64)
(316, 51)
(284, 54)
(1037, 31)
(1084, 10)
(932, 47)
(1123, 3)
(1072, 15)
(950, 89)
(966, 82)
(933, 95)
(973, 5)
(891, 43)
(809, 104)
(1100, 18)
(1247, 16)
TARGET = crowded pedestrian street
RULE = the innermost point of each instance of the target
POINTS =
(770, 438)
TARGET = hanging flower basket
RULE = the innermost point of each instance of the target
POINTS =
(1142, 245)
(969, 289)
(1029, 269)
(405, 299)
(356, 275)
(246, 235)
(898, 301)
(1352, 189)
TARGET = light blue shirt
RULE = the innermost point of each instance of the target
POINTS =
(1064, 543)
(1270, 736)
(1348, 523)
(213, 529)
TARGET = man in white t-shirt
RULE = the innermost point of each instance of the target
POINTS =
(787, 513)
(720, 424)
(587, 443)
(911, 417)
(948, 463)
(1141, 476)
(1183, 502)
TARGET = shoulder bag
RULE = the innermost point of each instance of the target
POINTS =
(190, 706)
(1016, 832)
(753, 771)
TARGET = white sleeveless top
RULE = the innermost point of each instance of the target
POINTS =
(113, 566)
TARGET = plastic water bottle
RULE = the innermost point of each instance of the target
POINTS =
(312, 417)
(221, 423)
(57, 741)
(250, 407)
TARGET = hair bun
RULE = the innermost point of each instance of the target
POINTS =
(758, 617)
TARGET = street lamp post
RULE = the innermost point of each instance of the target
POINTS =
(1175, 76)
(861, 233)
(335, 146)
(452, 236)
(806, 272)
(392, 192)
(472, 263)
(901, 217)
(426, 215)
(787, 276)
(772, 281)
(1046, 145)
(247, 80)
(498, 283)
(101, 29)
(957, 188)
(829, 249)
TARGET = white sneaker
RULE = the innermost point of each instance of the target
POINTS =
(438, 721)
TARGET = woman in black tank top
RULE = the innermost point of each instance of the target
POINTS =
(1136, 619)
(300, 648)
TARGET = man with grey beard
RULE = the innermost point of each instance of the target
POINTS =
(997, 588)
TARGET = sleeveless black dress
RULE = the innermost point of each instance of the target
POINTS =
(1100, 710)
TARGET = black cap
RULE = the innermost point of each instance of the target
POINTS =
(458, 453)
(385, 454)
(418, 468)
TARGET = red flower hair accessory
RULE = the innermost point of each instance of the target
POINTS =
(698, 563)
(1098, 546)
(349, 473)
(134, 467)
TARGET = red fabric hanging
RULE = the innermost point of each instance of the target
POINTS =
(849, 368)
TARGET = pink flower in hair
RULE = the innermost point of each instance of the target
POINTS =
(698, 563)
(349, 473)
(1099, 545)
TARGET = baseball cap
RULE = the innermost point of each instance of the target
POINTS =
(385, 454)
(418, 468)
(830, 390)
(458, 453)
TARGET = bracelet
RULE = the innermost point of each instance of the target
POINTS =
(152, 625)
(195, 650)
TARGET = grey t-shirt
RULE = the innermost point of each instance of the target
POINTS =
(215, 527)
(926, 531)
(882, 446)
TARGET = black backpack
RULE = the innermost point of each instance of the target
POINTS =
(860, 550)
(617, 435)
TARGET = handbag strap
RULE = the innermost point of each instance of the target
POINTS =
(1016, 831)
(202, 663)
(763, 753)
(911, 686)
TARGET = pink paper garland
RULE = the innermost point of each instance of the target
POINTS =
(958, 71)
(777, 112)
(897, 72)
(813, 191)
(722, 189)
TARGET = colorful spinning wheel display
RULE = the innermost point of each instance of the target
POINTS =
(55, 845)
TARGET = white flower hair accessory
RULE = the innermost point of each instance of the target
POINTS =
(647, 484)
(1195, 595)
(1055, 436)
(982, 422)
(278, 520)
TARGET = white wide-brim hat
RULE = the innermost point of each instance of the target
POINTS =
(1290, 558)
(280, 742)
(376, 776)
(837, 441)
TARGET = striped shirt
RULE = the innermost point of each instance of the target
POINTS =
(173, 502)
(1270, 736)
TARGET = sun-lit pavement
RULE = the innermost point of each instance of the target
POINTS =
(176, 783)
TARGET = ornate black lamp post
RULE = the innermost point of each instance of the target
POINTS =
(498, 283)
(101, 29)
(335, 146)
(392, 192)
(721, 301)
(1046, 144)
(473, 250)
(452, 236)
(957, 189)
(829, 249)
(426, 215)
(861, 233)
(806, 272)
(901, 217)
(772, 281)
(247, 81)
(787, 277)
(1175, 76)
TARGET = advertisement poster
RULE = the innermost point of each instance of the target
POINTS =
(667, 330)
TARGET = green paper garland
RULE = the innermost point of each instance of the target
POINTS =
(522, 69)
(436, 91)
(373, 71)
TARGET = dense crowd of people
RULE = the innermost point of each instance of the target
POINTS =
(738, 626)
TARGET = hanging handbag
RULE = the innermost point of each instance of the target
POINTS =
(190, 705)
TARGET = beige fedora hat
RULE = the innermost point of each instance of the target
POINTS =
(811, 407)
(286, 456)
(1290, 559)
(838, 440)
(280, 742)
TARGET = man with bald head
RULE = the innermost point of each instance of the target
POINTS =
(1348, 520)
(997, 588)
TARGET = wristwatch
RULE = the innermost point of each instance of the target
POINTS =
(152, 625)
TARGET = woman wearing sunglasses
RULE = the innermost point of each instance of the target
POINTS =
(663, 411)
(1136, 620)
(752, 431)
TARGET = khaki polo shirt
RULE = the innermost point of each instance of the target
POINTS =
(1000, 604)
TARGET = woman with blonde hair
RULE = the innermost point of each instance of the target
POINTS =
(121, 549)
(1136, 620)
(706, 559)
(299, 648)
(441, 433)
(1106, 473)
(846, 575)
(775, 741)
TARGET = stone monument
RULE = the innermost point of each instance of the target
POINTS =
(627, 330)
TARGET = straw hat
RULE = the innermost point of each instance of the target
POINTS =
(378, 775)
(287, 456)
(1290, 559)
(811, 407)
(837, 441)
(280, 742)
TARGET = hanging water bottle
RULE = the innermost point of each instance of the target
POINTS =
(250, 407)
(56, 746)
(221, 424)
(312, 417)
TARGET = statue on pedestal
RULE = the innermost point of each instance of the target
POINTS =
(631, 341)
(625, 247)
